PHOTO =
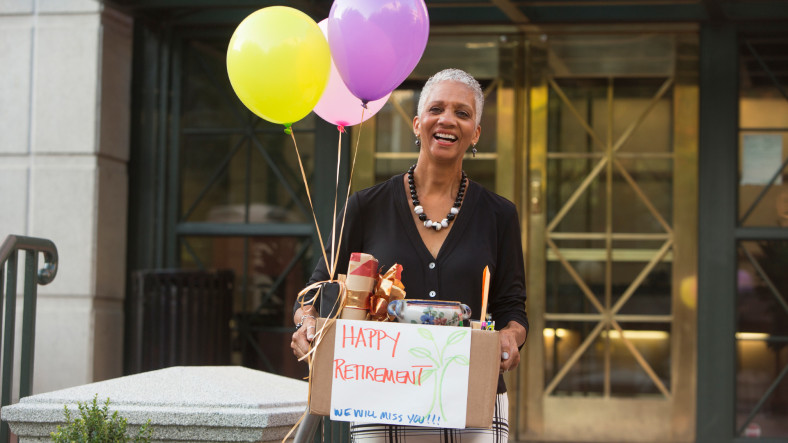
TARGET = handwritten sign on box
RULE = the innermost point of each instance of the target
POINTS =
(398, 373)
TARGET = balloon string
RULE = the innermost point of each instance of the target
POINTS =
(358, 142)
(334, 213)
(309, 197)
(334, 259)
(352, 168)
(349, 183)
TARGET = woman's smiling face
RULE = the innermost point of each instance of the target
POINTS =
(447, 125)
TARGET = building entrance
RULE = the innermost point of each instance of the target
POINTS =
(612, 220)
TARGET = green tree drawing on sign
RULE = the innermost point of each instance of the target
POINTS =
(441, 361)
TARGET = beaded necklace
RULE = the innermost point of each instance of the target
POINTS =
(419, 210)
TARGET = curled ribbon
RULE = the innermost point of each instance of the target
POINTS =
(339, 304)
(388, 288)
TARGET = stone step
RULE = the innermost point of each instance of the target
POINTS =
(183, 403)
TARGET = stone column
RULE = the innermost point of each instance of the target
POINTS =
(64, 150)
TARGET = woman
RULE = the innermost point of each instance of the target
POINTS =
(443, 229)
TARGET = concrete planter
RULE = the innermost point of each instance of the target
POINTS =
(197, 404)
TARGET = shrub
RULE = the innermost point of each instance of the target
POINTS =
(96, 425)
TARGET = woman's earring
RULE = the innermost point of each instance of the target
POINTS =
(418, 141)
(473, 151)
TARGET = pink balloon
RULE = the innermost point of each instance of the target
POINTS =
(338, 105)
(377, 43)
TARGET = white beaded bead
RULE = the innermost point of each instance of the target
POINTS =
(419, 209)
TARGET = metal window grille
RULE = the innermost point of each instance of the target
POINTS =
(179, 318)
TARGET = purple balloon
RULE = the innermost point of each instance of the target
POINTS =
(376, 44)
(338, 105)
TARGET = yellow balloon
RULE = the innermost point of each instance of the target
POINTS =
(278, 62)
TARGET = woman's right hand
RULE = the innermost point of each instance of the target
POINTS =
(303, 336)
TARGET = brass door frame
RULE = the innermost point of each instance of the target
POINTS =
(546, 418)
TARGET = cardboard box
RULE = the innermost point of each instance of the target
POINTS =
(482, 379)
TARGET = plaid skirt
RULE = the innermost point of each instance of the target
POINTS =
(499, 433)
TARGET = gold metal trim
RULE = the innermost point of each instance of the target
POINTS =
(602, 235)
(574, 155)
(628, 155)
(530, 415)
(415, 155)
(645, 318)
(683, 342)
(600, 254)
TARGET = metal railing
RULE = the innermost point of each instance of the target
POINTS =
(9, 254)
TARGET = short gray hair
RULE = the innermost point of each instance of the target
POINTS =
(457, 75)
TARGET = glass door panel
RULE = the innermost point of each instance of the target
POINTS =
(763, 129)
(240, 202)
(609, 249)
(762, 283)
(762, 339)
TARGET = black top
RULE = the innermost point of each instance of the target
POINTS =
(486, 232)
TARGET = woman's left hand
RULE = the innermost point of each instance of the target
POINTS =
(511, 337)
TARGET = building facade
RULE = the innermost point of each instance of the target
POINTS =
(643, 142)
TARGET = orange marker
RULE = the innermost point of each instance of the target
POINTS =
(485, 292)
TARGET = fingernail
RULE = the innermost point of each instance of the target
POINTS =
(505, 356)
(310, 336)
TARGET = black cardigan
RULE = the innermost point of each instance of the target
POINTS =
(486, 232)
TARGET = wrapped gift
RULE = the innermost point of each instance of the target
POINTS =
(368, 293)
(362, 275)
